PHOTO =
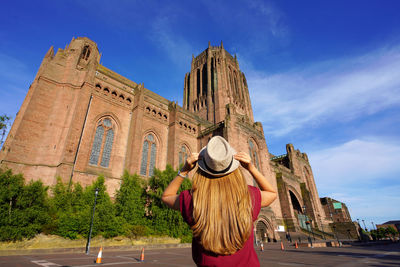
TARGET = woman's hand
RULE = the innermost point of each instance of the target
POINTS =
(244, 159)
(190, 163)
(170, 196)
(268, 193)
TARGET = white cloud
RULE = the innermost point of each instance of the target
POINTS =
(174, 45)
(356, 161)
(363, 173)
(338, 90)
(273, 17)
(377, 204)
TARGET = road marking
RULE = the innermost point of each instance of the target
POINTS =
(352, 256)
(72, 258)
(392, 253)
(45, 263)
(291, 264)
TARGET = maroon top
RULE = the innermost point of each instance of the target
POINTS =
(245, 257)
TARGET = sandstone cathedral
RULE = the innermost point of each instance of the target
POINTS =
(80, 120)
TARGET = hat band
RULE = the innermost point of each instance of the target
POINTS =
(218, 172)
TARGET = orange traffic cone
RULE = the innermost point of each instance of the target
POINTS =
(282, 247)
(295, 245)
(142, 255)
(98, 259)
(262, 246)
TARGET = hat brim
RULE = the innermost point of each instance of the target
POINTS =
(202, 165)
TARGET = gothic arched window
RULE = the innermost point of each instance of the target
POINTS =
(253, 154)
(183, 154)
(86, 52)
(102, 143)
(235, 84)
(149, 154)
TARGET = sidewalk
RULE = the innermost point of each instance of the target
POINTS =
(14, 252)
(82, 249)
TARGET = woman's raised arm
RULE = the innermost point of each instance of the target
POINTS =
(170, 196)
(268, 193)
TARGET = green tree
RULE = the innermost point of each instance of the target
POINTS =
(105, 222)
(25, 207)
(130, 204)
(390, 232)
(72, 211)
(130, 199)
(4, 123)
(68, 209)
(164, 220)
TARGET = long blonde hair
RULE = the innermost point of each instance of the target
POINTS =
(222, 212)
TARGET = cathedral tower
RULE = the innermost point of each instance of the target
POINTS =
(44, 137)
(215, 80)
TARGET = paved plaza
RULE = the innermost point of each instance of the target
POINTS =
(377, 255)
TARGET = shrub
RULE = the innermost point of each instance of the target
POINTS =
(130, 200)
(73, 211)
(138, 210)
(105, 221)
(164, 220)
(68, 210)
(135, 231)
(25, 207)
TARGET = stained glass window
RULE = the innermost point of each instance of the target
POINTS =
(107, 122)
(107, 148)
(98, 138)
(152, 159)
(143, 166)
(148, 157)
(102, 144)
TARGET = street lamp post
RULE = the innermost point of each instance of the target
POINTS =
(365, 227)
(96, 192)
(334, 230)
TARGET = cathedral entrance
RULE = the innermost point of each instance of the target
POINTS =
(264, 231)
(298, 211)
(295, 203)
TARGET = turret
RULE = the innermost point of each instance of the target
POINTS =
(215, 81)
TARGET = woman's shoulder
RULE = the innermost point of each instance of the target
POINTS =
(253, 189)
(186, 206)
(185, 196)
(255, 194)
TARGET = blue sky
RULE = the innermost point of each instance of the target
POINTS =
(323, 75)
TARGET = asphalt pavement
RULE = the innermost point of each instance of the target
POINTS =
(372, 255)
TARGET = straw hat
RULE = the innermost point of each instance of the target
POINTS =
(217, 158)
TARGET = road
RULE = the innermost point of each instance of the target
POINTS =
(382, 255)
